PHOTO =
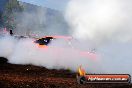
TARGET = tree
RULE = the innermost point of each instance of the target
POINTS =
(0, 19)
(8, 16)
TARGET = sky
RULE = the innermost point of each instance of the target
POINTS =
(53, 4)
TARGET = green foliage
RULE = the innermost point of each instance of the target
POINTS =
(0, 19)
(8, 16)
(12, 6)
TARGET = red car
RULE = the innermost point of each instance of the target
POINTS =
(60, 44)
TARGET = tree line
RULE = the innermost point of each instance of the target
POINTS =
(8, 16)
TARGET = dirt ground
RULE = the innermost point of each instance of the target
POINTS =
(29, 76)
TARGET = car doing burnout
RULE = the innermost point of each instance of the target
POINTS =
(63, 44)
(60, 45)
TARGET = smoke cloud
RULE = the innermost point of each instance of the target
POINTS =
(38, 22)
(107, 25)
(101, 25)
(6, 46)
(56, 56)
(100, 20)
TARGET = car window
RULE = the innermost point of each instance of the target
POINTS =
(44, 41)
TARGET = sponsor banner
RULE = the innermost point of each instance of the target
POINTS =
(108, 78)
